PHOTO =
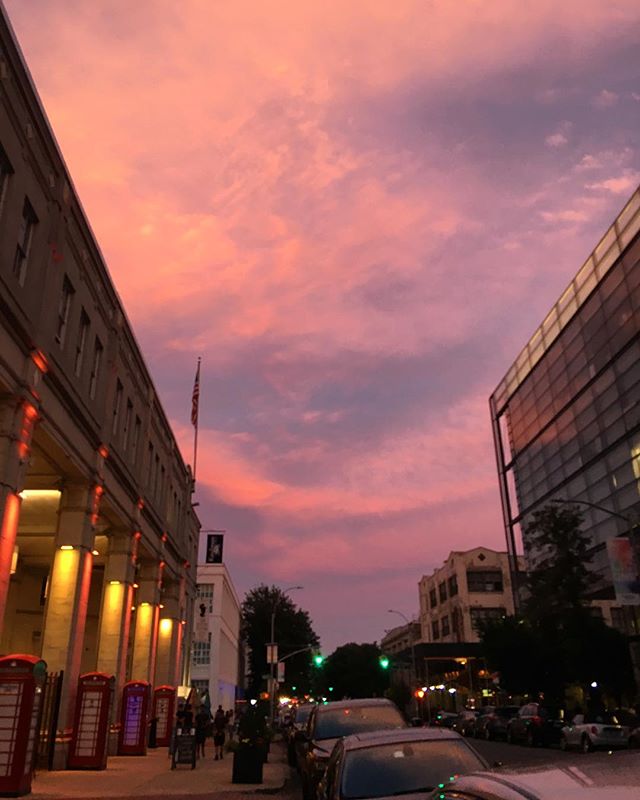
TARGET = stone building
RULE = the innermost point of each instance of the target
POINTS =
(469, 587)
(97, 531)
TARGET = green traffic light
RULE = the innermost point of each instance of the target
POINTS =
(318, 660)
(384, 662)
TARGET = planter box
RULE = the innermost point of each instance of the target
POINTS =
(247, 764)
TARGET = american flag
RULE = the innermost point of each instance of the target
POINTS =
(195, 398)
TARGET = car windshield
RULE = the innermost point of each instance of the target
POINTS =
(405, 768)
(333, 723)
(507, 712)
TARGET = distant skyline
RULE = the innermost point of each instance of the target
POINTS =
(357, 213)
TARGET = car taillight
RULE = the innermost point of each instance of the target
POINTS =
(536, 720)
(594, 729)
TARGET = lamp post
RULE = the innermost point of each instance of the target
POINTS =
(273, 664)
(413, 657)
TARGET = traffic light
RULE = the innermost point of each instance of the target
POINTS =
(318, 660)
(384, 662)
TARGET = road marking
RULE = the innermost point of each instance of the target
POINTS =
(580, 774)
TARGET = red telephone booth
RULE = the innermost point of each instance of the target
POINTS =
(134, 714)
(91, 722)
(21, 680)
(164, 705)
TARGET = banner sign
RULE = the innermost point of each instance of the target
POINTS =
(215, 542)
(272, 654)
(623, 571)
(281, 666)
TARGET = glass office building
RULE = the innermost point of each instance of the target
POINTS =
(566, 417)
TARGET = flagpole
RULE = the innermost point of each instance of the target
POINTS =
(195, 411)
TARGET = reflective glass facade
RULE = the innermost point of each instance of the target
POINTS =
(566, 417)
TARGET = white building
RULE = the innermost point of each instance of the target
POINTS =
(216, 627)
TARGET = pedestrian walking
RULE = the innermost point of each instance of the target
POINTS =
(203, 719)
(219, 726)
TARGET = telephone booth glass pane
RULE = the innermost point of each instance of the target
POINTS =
(133, 720)
(10, 702)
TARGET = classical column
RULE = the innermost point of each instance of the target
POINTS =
(68, 592)
(147, 616)
(17, 419)
(169, 637)
(115, 612)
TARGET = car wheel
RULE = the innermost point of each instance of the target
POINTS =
(531, 740)
(564, 744)
(585, 744)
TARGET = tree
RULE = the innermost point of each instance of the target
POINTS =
(353, 670)
(293, 631)
(560, 580)
(557, 642)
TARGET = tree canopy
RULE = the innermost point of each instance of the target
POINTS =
(557, 641)
(293, 631)
(353, 670)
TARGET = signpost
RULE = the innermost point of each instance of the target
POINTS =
(184, 748)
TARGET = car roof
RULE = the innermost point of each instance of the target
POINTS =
(539, 784)
(357, 741)
(366, 702)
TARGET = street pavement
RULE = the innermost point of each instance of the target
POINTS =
(151, 777)
(603, 768)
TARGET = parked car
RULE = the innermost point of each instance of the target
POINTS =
(491, 722)
(444, 719)
(465, 722)
(535, 724)
(544, 784)
(330, 722)
(295, 736)
(396, 762)
(591, 731)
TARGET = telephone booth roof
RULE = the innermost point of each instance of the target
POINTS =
(103, 675)
(33, 660)
(136, 683)
(165, 688)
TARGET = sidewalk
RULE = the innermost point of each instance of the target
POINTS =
(151, 777)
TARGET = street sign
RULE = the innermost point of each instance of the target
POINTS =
(281, 666)
(272, 654)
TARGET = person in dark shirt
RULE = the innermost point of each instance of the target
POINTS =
(219, 726)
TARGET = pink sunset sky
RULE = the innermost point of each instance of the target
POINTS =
(357, 212)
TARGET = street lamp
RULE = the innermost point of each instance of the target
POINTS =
(273, 664)
(413, 656)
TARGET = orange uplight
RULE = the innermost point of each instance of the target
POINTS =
(140, 503)
(103, 450)
(186, 565)
(164, 537)
(29, 416)
(162, 564)
(40, 360)
(137, 535)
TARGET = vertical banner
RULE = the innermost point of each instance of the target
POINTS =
(281, 666)
(215, 542)
(623, 571)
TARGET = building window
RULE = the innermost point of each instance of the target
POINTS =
(202, 652)
(137, 428)
(435, 630)
(480, 615)
(484, 580)
(117, 403)
(453, 585)
(444, 622)
(64, 307)
(25, 238)
(433, 600)
(127, 425)
(442, 591)
(200, 686)
(81, 342)
(618, 619)
(6, 171)
(95, 367)
(205, 595)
